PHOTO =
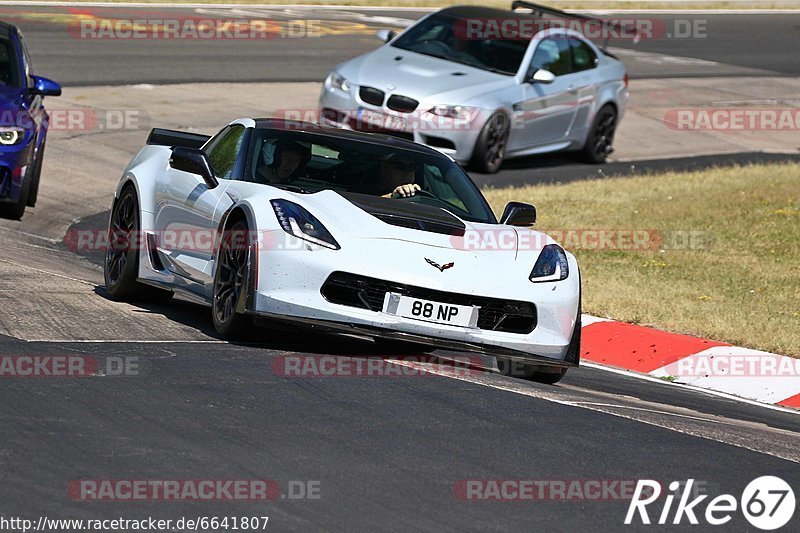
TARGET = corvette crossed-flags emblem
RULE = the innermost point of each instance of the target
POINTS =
(441, 268)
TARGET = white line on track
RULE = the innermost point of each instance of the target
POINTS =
(48, 272)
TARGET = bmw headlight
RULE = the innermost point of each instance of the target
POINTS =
(297, 221)
(551, 266)
(10, 136)
(462, 112)
(337, 81)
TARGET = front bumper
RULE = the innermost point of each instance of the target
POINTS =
(290, 281)
(451, 137)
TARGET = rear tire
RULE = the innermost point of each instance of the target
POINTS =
(601, 137)
(230, 282)
(490, 150)
(121, 263)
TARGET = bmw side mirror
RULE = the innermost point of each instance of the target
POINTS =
(193, 161)
(542, 76)
(518, 214)
(386, 35)
(45, 87)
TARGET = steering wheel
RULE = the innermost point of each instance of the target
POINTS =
(438, 46)
(421, 192)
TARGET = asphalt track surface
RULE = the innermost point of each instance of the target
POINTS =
(386, 452)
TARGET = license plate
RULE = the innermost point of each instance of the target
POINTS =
(389, 122)
(428, 311)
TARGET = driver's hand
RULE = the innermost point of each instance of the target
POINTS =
(404, 191)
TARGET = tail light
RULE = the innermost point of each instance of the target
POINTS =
(625, 79)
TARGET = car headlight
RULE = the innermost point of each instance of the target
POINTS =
(10, 136)
(454, 111)
(337, 81)
(552, 265)
(297, 221)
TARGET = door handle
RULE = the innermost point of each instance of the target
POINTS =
(572, 89)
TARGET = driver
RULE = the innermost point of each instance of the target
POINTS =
(396, 178)
(284, 161)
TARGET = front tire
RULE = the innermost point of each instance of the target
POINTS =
(601, 137)
(17, 209)
(490, 150)
(230, 282)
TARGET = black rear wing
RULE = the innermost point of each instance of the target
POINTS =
(606, 24)
(173, 138)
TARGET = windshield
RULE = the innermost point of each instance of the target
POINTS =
(440, 36)
(8, 64)
(309, 163)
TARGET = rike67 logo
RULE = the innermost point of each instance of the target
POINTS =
(767, 502)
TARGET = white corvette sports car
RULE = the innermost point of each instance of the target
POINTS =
(345, 232)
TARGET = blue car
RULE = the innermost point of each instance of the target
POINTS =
(23, 124)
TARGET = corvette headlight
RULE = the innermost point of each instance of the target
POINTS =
(454, 111)
(551, 266)
(337, 81)
(10, 136)
(297, 221)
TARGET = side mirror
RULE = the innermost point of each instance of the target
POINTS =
(45, 87)
(193, 161)
(542, 76)
(518, 214)
(386, 35)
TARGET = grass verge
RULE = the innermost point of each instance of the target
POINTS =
(722, 259)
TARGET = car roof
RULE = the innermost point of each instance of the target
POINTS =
(358, 136)
(544, 23)
(6, 29)
(483, 12)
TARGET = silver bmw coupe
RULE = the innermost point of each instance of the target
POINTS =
(483, 85)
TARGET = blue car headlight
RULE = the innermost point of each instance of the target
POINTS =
(551, 265)
(297, 221)
(11, 136)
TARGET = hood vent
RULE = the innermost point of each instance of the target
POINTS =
(408, 215)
